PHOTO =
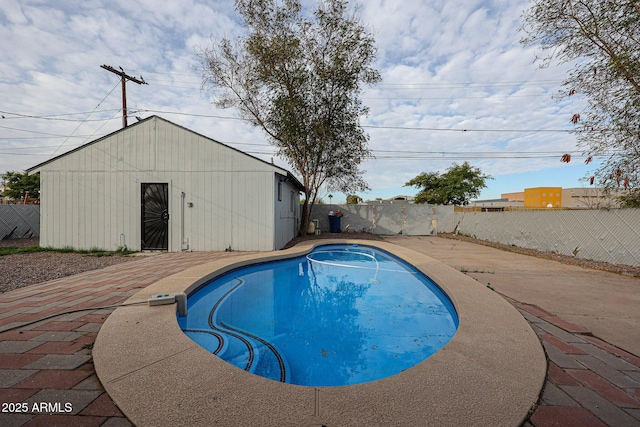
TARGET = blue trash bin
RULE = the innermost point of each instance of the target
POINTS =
(334, 224)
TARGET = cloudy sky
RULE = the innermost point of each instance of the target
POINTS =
(457, 86)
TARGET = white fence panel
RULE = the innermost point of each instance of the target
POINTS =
(387, 219)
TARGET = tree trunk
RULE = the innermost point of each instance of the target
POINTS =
(305, 217)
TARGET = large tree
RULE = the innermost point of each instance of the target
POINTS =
(602, 39)
(19, 183)
(456, 186)
(298, 75)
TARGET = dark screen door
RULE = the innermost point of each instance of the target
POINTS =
(155, 216)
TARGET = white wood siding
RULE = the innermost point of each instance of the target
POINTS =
(92, 197)
(287, 219)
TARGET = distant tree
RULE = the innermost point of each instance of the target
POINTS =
(297, 75)
(352, 199)
(631, 199)
(456, 186)
(602, 38)
(18, 183)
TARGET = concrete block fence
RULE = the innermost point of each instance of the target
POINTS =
(602, 235)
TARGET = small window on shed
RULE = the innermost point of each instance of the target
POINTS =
(279, 191)
(292, 202)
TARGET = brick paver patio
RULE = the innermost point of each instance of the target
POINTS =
(47, 376)
(48, 364)
(589, 382)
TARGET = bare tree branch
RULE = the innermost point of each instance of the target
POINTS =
(601, 37)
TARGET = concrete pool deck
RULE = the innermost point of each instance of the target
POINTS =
(589, 381)
(588, 321)
(490, 373)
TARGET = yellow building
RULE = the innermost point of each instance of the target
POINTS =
(542, 197)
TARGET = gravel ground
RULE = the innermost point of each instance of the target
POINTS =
(21, 270)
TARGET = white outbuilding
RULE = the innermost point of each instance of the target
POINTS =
(156, 185)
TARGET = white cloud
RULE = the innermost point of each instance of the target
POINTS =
(445, 65)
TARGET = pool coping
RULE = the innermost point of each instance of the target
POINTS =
(490, 373)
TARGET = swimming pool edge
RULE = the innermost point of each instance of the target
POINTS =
(490, 373)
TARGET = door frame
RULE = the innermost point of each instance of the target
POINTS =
(143, 186)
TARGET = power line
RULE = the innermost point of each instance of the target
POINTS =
(384, 153)
(191, 82)
(97, 130)
(504, 82)
(81, 123)
(464, 130)
(164, 74)
(58, 116)
(364, 126)
(26, 154)
(454, 157)
(397, 154)
(373, 126)
(42, 137)
(391, 85)
(36, 147)
(453, 98)
(36, 132)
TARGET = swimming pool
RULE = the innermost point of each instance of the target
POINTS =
(340, 315)
(490, 373)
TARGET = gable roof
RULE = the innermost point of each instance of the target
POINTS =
(277, 169)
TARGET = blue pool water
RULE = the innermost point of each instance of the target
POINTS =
(343, 314)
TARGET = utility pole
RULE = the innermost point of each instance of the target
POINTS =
(124, 77)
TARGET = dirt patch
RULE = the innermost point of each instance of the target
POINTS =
(20, 242)
(629, 270)
(21, 270)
